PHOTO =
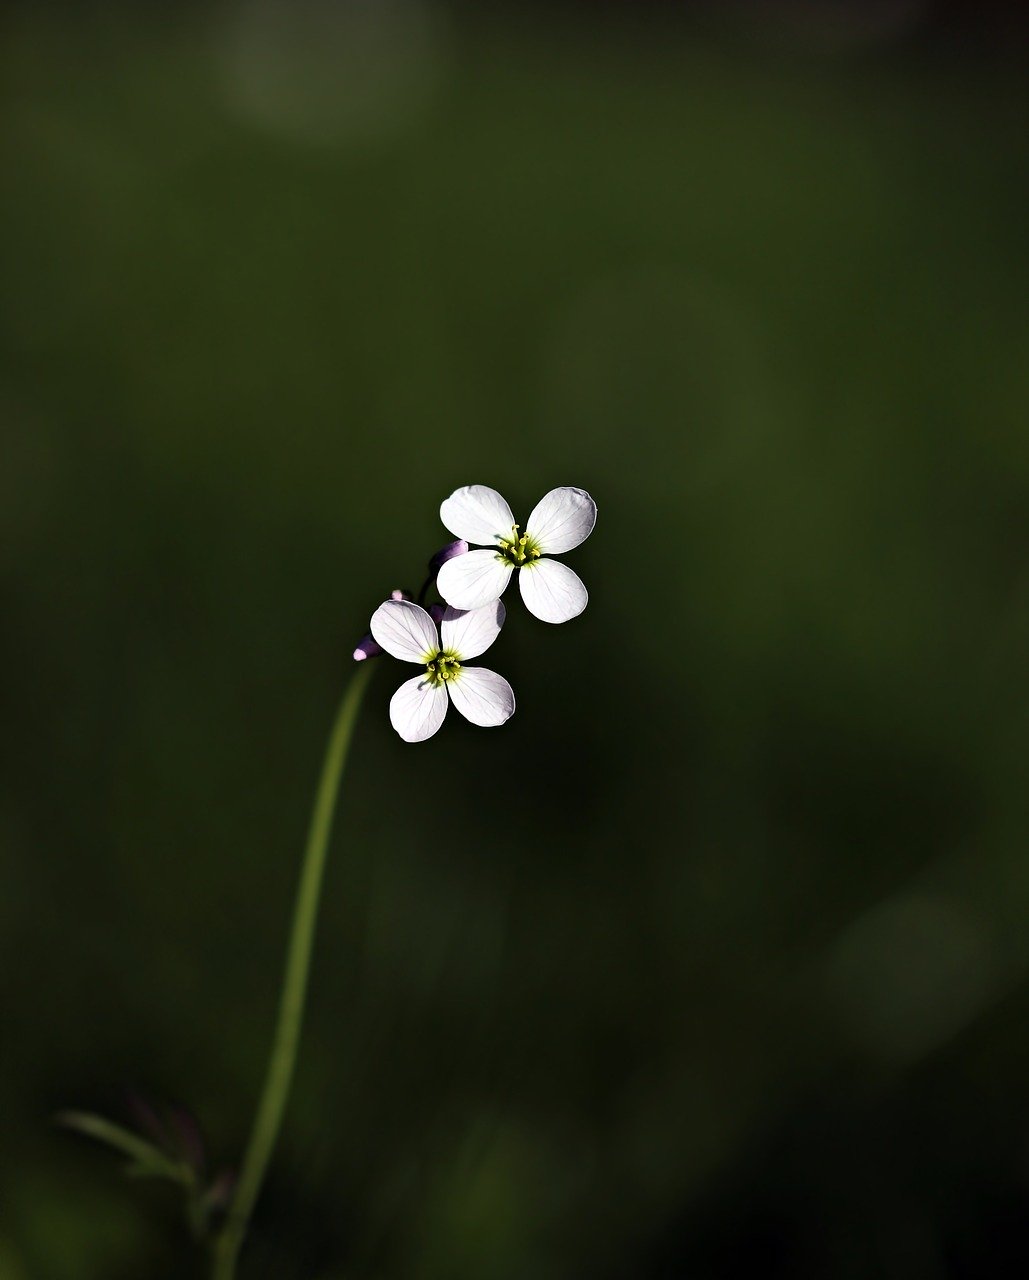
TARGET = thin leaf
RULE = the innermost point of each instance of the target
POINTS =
(145, 1160)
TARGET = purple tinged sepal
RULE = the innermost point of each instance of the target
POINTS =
(449, 552)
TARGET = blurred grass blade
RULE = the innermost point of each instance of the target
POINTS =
(145, 1160)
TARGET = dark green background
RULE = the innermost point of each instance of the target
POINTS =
(712, 963)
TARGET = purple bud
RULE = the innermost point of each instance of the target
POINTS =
(452, 549)
(436, 612)
(400, 595)
(366, 648)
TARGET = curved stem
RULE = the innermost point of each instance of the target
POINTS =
(268, 1119)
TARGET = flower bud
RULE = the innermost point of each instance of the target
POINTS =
(452, 549)
(366, 648)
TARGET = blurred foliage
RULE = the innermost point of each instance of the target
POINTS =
(713, 963)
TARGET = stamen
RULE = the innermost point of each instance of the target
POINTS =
(442, 668)
(519, 549)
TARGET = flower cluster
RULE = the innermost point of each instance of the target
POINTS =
(441, 638)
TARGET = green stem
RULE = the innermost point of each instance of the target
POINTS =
(268, 1119)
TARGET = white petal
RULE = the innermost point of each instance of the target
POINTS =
(469, 632)
(482, 696)
(417, 709)
(561, 520)
(474, 580)
(405, 631)
(552, 591)
(477, 514)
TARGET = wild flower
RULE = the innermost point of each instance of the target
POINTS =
(560, 521)
(409, 632)
(441, 639)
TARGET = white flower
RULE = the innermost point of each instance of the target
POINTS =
(559, 521)
(406, 631)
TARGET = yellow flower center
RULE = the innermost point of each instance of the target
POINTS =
(443, 667)
(518, 550)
